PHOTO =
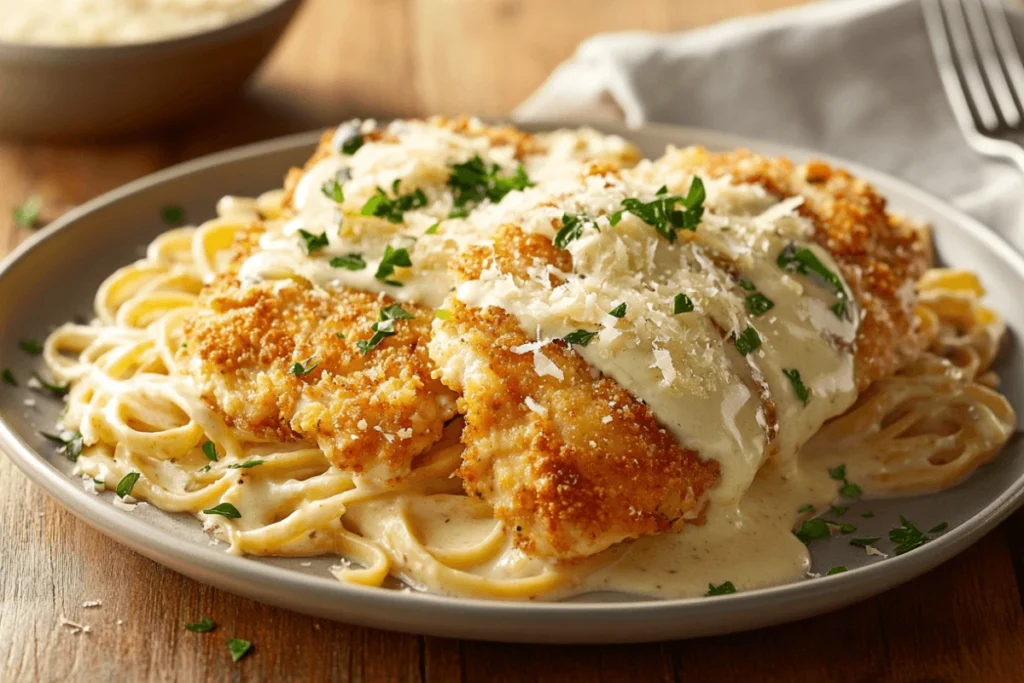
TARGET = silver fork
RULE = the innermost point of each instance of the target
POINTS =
(982, 73)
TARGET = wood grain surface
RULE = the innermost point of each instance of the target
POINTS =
(342, 58)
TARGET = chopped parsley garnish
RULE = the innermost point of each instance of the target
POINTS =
(748, 341)
(939, 528)
(472, 182)
(127, 483)
(332, 190)
(204, 625)
(304, 368)
(392, 258)
(8, 377)
(313, 242)
(432, 230)
(239, 648)
(722, 589)
(745, 283)
(847, 490)
(351, 144)
(393, 210)
(839, 569)
(807, 507)
(812, 530)
(907, 537)
(72, 447)
(383, 328)
(581, 337)
(662, 214)
(572, 229)
(442, 314)
(759, 304)
(172, 214)
(843, 528)
(863, 542)
(803, 261)
(799, 389)
(838, 510)
(27, 215)
(224, 510)
(246, 465)
(681, 304)
(867, 515)
(339, 335)
(350, 261)
(210, 451)
(30, 346)
(619, 311)
(57, 390)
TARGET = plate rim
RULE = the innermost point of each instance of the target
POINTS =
(279, 584)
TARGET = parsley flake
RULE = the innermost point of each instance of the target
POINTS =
(722, 589)
(246, 465)
(745, 283)
(813, 529)
(799, 389)
(204, 625)
(57, 390)
(838, 510)
(747, 341)
(863, 542)
(210, 451)
(71, 447)
(350, 261)
(27, 214)
(30, 346)
(304, 368)
(867, 515)
(759, 304)
(332, 190)
(619, 311)
(392, 258)
(661, 214)
(807, 507)
(939, 528)
(8, 377)
(238, 648)
(907, 537)
(580, 337)
(172, 214)
(432, 230)
(839, 569)
(127, 483)
(224, 510)
(838, 472)
(681, 304)
(442, 314)
(393, 209)
(473, 182)
(351, 144)
(802, 260)
(384, 327)
(848, 490)
(313, 242)
(572, 229)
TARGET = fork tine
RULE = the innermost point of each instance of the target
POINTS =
(970, 73)
(991, 64)
(949, 73)
(1011, 58)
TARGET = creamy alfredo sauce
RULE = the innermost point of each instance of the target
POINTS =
(741, 409)
(102, 22)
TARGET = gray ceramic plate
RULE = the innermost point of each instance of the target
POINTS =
(52, 278)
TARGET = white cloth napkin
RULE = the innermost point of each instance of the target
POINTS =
(853, 78)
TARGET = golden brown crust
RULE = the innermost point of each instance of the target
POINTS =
(594, 469)
(371, 413)
(880, 256)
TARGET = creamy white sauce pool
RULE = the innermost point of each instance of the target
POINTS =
(104, 22)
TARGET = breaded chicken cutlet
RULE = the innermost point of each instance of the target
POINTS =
(572, 477)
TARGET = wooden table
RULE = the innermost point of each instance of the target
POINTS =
(343, 58)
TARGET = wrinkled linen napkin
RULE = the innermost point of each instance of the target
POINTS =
(853, 78)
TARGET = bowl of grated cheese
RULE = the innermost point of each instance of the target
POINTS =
(88, 69)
